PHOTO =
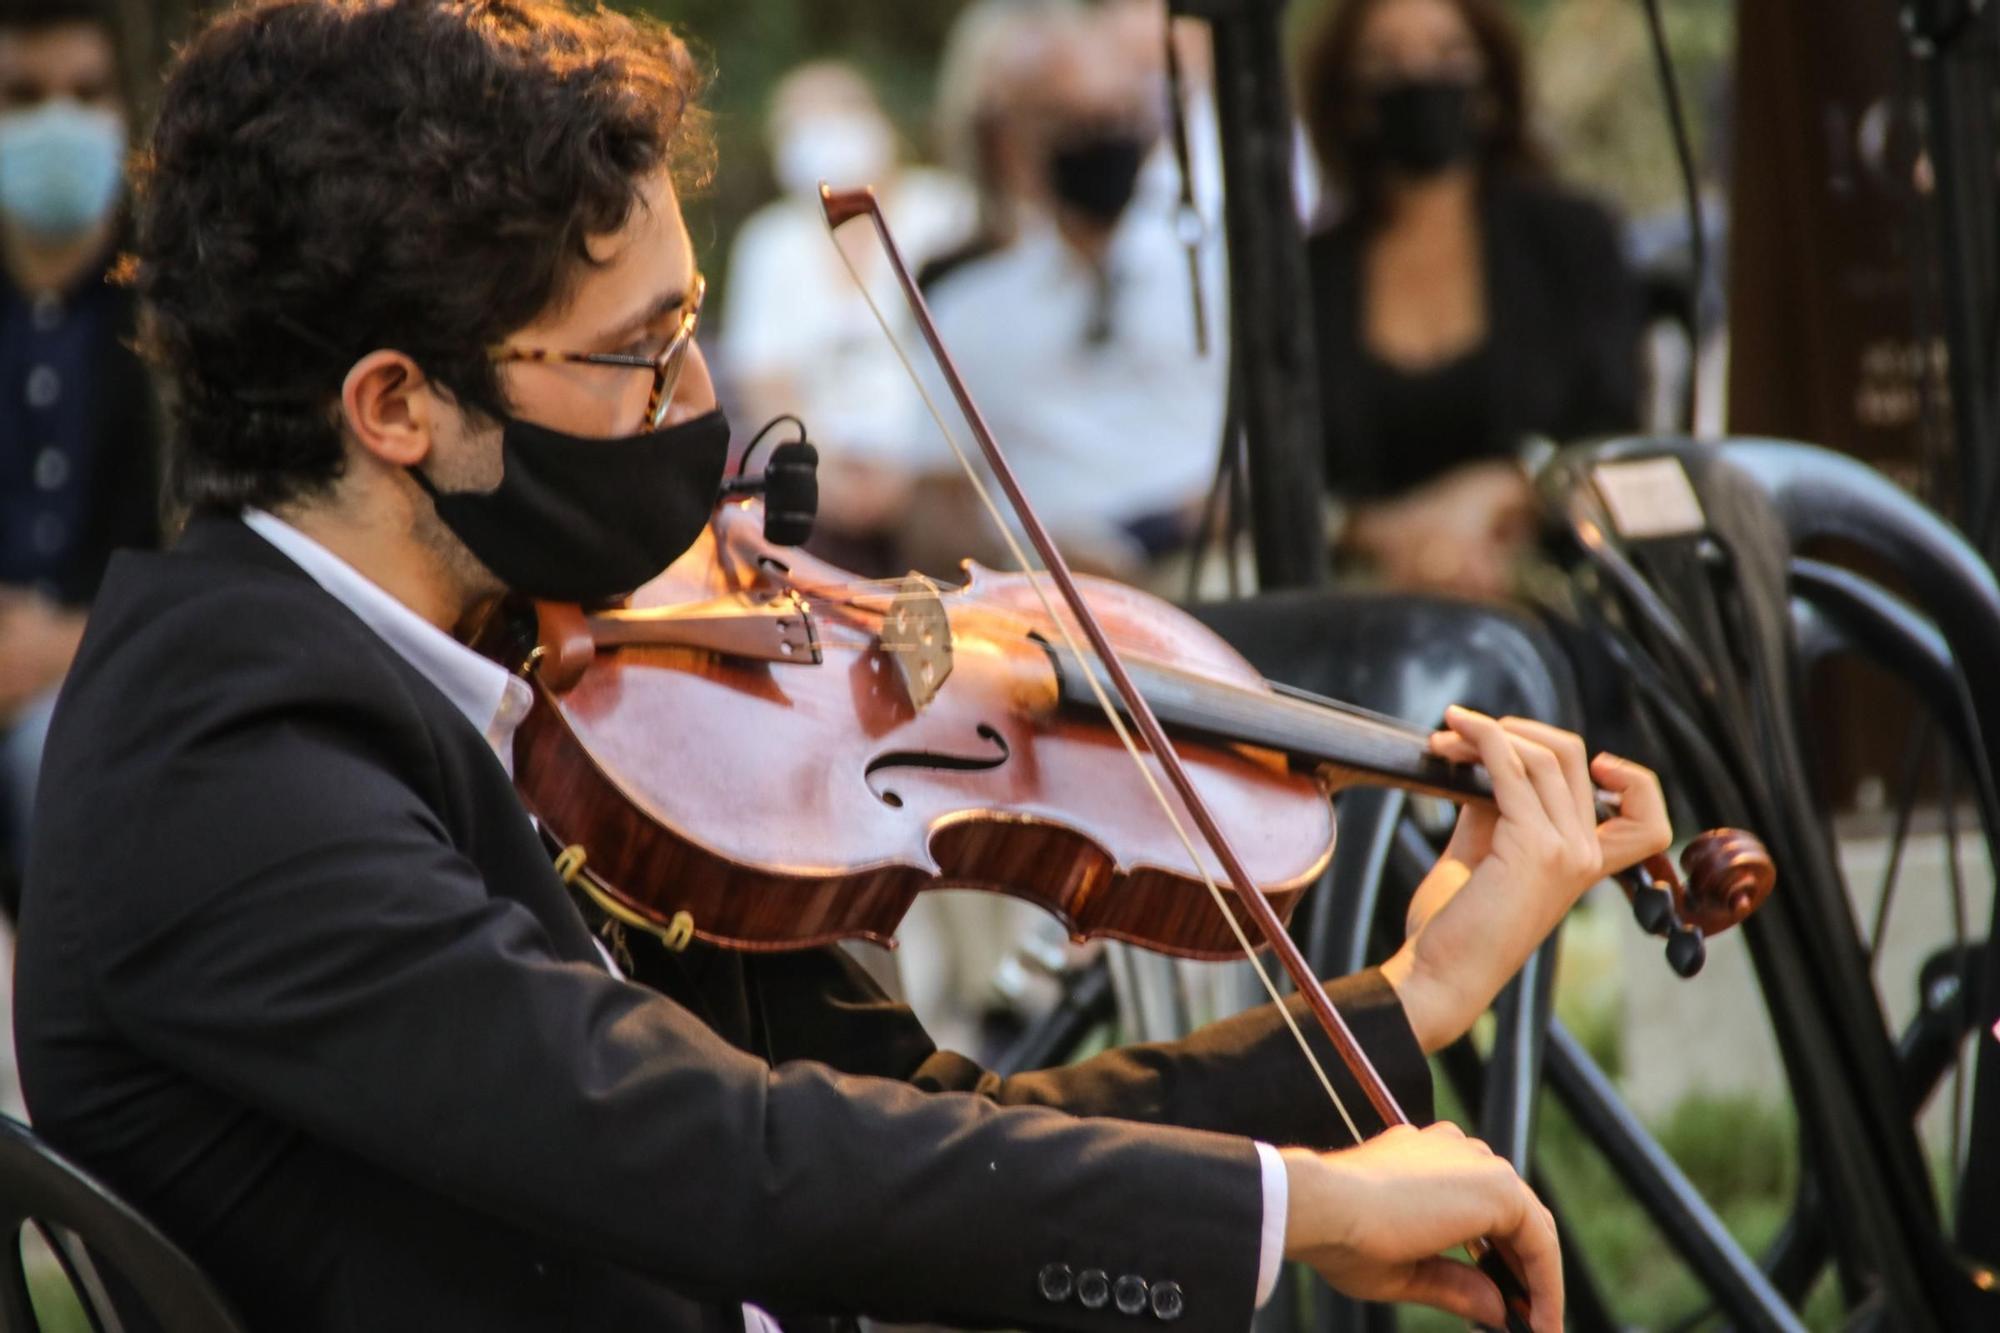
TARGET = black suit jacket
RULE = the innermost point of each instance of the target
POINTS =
(296, 977)
(1563, 312)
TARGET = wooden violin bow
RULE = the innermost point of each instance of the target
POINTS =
(842, 207)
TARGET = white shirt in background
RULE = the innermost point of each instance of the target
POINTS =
(1090, 380)
(792, 311)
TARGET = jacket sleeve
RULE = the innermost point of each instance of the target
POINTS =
(322, 953)
(1242, 1075)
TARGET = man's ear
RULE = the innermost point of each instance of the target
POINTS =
(389, 408)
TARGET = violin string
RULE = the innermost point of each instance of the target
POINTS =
(1111, 714)
(1230, 707)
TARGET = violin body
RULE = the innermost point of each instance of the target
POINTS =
(784, 804)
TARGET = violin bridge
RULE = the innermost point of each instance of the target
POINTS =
(916, 635)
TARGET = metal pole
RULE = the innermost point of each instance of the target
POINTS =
(1270, 314)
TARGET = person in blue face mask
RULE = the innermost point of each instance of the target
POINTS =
(77, 416)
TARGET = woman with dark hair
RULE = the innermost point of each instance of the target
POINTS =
(1465, 301)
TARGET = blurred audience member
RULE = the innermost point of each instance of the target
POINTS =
(1072, 320)
(1140, 27)
(1077, 336)
(991, 53)
(1466, 302)
(77, 419)
(797, 336)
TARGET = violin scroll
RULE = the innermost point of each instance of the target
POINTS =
(1729, 875)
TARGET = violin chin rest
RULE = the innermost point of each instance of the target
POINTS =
(564, 648)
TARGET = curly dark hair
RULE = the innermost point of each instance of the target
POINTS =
(329, 177)
(1329, 98)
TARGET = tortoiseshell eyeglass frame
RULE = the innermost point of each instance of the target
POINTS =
(666, 367)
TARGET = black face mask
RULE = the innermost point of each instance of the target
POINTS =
(583, 520)
(1424, 125)
(1097, 175)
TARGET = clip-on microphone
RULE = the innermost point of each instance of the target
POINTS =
(789, 484)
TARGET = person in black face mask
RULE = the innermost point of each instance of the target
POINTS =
(1465, 302)
(1108, 413)
(1094, 169)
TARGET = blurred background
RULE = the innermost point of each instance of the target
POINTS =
(1598, 101)
(975, 123)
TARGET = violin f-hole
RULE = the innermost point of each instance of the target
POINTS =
(999, 754)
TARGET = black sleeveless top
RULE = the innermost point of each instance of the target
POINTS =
(1560, 358)
(1425, 422)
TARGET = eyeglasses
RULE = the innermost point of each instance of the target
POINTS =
(666, 366)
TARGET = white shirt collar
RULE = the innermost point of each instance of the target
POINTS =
(492, 698)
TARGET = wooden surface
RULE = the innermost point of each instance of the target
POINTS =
(1825, 340)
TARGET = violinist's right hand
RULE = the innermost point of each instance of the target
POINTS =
(1375, 1221)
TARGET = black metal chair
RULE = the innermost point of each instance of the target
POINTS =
(1715, 613)
(1409, 657)
(86, 1226)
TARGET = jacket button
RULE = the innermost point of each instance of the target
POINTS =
(1168, 1303)
(1093, 1289)
(1130, 1294)
(1056, 1282)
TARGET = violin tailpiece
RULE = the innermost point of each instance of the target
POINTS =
(781, 630)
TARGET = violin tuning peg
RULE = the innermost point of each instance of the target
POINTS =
(1686, 951)
(1653, 909)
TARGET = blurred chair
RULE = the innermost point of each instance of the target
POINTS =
(161, 1291)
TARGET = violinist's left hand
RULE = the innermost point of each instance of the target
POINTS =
(1512, 869)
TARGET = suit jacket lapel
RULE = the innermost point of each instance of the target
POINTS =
(478, 806)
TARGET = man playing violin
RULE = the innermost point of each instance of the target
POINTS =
(295, 974)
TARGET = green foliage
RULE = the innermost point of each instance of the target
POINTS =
(57, 1309)
(1741, 1155)
(751, 44)
(1600, 100)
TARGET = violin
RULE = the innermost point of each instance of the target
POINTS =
(903, 670)
(762, 752)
